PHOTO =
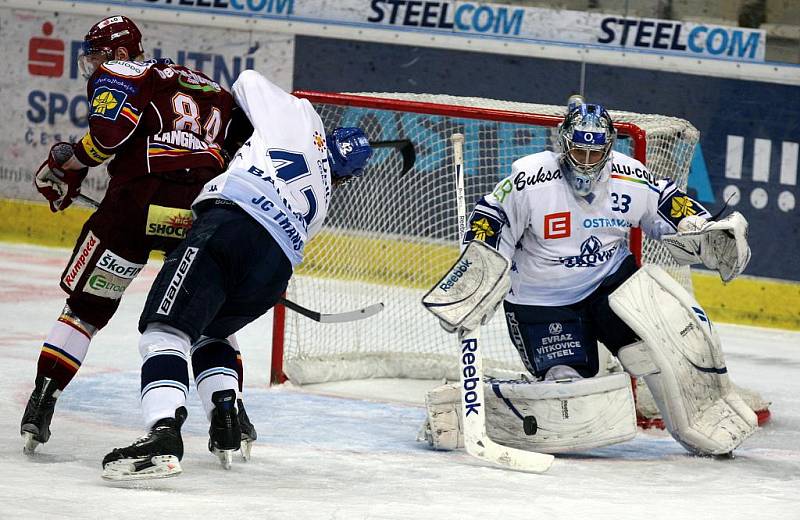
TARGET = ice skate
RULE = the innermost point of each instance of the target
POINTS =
(225, 434)
(156, 455)
(249, 434)
(35, 426)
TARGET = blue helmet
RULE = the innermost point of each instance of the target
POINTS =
(349, 150)
(586, 138)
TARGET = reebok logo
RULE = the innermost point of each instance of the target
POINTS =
(457, 272)
(468, 348)
(177, 280)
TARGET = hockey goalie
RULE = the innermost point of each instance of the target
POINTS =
(551, 240)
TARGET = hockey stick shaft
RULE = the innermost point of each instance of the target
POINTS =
(473, 409)
(341, 317)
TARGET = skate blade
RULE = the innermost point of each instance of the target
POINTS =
(160, 466)
(247, 445)
(225, 457)
(30, 443)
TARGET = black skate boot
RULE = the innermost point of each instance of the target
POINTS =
(156, 455)
(225, 434)
(249, 434)
(35, 426)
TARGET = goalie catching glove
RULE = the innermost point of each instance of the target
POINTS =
(56, 181)
(468, 295)
(719, 245)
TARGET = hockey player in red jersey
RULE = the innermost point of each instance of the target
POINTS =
(162, 128)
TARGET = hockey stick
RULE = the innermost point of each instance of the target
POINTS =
(339, 317)
(476, 440)
(406, 149)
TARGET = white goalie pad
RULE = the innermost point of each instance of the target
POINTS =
(544, 417)
(467, 296)
(682, 363)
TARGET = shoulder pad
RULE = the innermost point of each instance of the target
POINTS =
(126, 69)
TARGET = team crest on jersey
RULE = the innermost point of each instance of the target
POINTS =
(591, 254)
(677, 206)
(319, 141)
(107, 102)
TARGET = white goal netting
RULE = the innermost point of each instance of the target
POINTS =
(389, 237)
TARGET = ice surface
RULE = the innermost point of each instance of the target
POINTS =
(324, 456)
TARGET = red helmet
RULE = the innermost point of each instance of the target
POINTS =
(112, 33)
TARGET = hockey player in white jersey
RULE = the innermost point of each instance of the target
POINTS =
(250, 230)
(562, 220)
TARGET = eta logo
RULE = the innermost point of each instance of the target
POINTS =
(46, 55)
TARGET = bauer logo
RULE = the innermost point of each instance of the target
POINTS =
(115, 264)
(468, 371)
(455, 274)
(177, 281)
(80, 260)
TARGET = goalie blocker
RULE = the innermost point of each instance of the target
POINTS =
(468, 295)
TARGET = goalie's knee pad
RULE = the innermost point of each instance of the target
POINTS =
(681, 361)
(547, 417)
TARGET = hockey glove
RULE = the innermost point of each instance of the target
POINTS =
(57, 184)
(720, 245)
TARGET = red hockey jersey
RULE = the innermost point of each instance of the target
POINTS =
(155, 118)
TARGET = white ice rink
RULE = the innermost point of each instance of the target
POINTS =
(325, 457)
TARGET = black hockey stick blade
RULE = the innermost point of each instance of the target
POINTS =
(406, 149)
(339, 317)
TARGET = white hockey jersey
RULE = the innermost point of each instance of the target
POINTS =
(562, 246)
(281, 175)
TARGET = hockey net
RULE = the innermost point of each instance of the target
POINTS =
(389, 237)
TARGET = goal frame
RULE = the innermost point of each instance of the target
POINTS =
(635, 133)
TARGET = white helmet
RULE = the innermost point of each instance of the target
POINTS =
(586, 138)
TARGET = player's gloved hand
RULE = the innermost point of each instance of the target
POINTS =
(720, 245)
(57, 184)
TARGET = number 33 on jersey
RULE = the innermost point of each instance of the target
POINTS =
(561, 245)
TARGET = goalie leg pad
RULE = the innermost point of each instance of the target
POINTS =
(545, 417)
(700, 407)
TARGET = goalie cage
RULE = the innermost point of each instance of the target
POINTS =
(389, 237)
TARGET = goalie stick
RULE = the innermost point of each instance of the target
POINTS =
(473, 409)
(339, 317)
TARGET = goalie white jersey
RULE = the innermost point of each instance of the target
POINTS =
(562, 246)
(281, 175)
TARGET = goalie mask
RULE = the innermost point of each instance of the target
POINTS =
(586, 138)
(348, 151)
(105, 38)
